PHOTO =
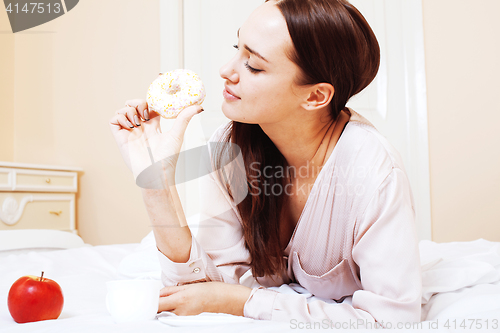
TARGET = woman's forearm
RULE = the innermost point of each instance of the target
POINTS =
(172, 235)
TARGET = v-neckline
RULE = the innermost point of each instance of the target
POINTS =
(313, 190)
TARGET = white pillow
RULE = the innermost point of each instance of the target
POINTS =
(38, 238)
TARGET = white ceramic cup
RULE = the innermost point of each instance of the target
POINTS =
(133, 300)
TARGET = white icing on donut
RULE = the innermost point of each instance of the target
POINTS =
(171, 92)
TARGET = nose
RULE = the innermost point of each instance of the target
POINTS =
(228, 71)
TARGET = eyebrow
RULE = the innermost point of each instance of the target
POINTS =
(257, 54)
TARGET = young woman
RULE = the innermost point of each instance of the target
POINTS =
(329, 206)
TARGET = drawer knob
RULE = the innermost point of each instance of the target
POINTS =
(55, 213)
(47, 180)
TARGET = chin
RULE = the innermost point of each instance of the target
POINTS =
(232, 113)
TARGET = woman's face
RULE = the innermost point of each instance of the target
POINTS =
(259, 79)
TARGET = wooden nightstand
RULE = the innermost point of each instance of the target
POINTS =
(37, 197)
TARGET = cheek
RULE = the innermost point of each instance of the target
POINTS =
(269, 106)
(276, 96)
(265, 99)
(267, 93)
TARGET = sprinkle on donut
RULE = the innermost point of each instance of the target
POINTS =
(173, 91)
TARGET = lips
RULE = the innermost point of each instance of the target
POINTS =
(229, 93)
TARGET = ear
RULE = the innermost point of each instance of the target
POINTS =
(319, 96)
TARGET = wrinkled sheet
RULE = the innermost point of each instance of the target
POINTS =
(461, 286)
(82, 274)
(461, 280)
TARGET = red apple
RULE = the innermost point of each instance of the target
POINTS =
(33, 298)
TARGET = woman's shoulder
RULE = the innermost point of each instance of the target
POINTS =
(366, 145)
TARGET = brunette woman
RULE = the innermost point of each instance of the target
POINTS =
(328, 206)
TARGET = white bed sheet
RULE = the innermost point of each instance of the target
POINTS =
(461, 281)
(82, 274)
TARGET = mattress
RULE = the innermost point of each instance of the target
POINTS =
(461, 289)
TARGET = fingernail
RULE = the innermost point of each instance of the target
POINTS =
(201, 110)
(136, 119)
(130, 124)
(146, 115)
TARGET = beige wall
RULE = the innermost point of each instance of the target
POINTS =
(463, 70)
(6, 89)
(71, 74)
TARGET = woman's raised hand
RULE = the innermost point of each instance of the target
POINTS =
(138, 134)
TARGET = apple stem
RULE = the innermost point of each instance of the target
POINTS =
(41, 277)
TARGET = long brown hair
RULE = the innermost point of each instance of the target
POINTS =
(333, 43)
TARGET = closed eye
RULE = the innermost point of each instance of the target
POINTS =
(253, 70)
(250, 68)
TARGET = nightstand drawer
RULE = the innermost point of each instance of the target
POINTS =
(37, 180)
(37, 211)
(46, 181)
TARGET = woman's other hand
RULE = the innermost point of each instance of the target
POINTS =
(137, 132)
(195, 298)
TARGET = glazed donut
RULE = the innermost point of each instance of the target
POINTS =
(173, 91)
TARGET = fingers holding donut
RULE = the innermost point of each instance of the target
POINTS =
(121, 128)
(120, 125)
(136, 113)
(141, 107)
(127, 118)
(177, 94)
(122, 120)
(134, 116)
